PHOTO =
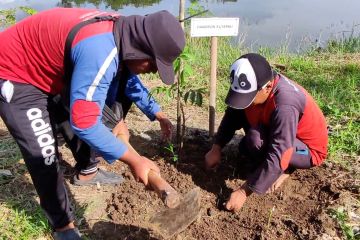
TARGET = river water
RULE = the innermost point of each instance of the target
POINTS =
(296, 24)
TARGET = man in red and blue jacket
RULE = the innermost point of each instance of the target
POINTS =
(284, 127)
(33, 71)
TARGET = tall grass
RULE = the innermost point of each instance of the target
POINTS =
(346, 43)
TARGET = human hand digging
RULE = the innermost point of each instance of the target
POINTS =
(142, 168)
(238, 198)
(213, 158)
(149, 174)
(165, 126)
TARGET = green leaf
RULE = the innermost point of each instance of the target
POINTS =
(168, 93)
(185, 56)
(173, 87)
(7, 17)
(199, 99)
(192, 96)
(186, 96)
(28, 10)
(182, 79)
(177, 64)
(187, 70)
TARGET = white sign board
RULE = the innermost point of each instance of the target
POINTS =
(214, 27)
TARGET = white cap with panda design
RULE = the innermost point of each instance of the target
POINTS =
(248, 75)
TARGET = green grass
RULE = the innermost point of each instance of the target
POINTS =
(21, 216)
(17, 222)
(9, 152)
(344, 45)
(342, 218)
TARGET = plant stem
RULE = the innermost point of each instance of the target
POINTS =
(182, 134)
(270, 216)
(178, 114)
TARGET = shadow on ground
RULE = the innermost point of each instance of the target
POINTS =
(112, 231)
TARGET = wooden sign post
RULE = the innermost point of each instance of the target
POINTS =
(213, 27)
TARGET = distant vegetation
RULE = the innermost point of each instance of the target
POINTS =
(8, 17)
(113, 4)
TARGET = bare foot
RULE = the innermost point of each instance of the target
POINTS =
(278, 183)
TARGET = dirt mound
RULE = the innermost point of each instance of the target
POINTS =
(298, 210)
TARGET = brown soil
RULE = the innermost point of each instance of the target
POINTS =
(298, 210)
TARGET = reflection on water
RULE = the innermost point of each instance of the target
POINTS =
(295, 23)
(113, 4)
